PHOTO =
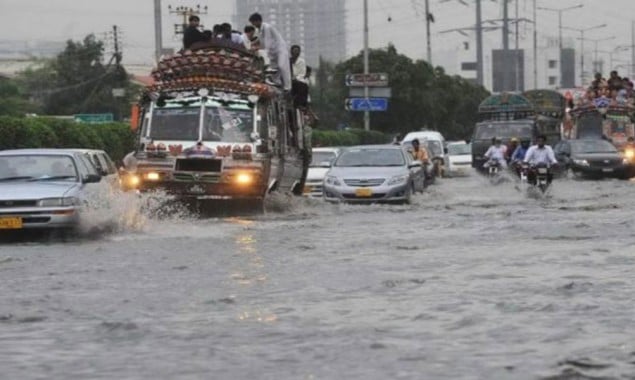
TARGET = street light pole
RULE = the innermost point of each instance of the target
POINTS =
(560, 11)
(581, 31)
(366, 113)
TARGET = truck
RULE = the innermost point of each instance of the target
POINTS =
(603, 119)
(506, 116)
(550, 107)
(214, 126)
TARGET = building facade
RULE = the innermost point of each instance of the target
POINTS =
(319, 27)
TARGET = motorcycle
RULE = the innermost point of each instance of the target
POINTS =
(493, 167)
(541, 177)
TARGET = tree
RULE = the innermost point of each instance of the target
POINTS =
(79, 80)
(422, 96)
(12, 101)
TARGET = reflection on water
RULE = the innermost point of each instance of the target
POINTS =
(472, 281)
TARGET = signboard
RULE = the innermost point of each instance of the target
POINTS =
(363, 104)
(370, 80)
(373, 92)
(93, 118)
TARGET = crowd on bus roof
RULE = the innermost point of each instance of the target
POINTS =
(610, 92)
(265, 40)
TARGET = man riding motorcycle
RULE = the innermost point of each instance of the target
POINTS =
(518, 155)
(496, 154)
(540, 155)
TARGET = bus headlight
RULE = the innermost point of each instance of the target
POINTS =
(153, 176)
(244, 178)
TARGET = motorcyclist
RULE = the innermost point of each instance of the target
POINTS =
(496, 153)
(511, 148)
(420, 154)
(518, 155)
(540, 155)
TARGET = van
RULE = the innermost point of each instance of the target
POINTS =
(435, 144)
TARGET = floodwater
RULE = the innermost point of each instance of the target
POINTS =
(473, 281)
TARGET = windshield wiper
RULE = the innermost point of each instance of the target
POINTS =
(54, 178)
(16, 178)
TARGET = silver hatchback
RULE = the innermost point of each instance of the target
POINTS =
(374, 173)
(43, 188)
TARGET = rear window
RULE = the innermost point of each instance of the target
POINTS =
(459, 149)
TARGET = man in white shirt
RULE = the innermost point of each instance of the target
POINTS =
(540, 155)
(496, 152)
(299, 87)
(277, 50)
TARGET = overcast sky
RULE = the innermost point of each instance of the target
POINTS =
(55, 20)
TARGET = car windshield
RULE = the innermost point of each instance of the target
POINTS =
(321, 157)
(37, 167)
(592, 146)
(371, 157)
(487, 131)
(233, 123)
(459, 149)
(175, 123)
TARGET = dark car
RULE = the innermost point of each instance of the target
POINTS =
(595, 158)
(505, 130)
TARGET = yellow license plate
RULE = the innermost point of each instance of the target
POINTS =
(364, 192)
(10, 223)
(307, 189)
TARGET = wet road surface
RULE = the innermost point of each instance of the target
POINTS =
(473, 281)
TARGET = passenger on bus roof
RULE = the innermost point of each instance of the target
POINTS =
(192, 34)
(271, 40)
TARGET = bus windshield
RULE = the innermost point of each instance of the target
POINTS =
(175, 123)
(233, 123)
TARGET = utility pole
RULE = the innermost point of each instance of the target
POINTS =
(581, 31)
(560, 11)
(506, 46)
(517, 86)
(158, 30)
(429, 47)
(366, 113)
(116, 43)
(479, 44)
(186, 12)
(632, 49)
(536, 51)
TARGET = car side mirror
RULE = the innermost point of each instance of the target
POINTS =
(414, 164)
(92, 178)
(445, 150)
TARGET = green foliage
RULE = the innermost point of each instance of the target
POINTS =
(12, 101)
(115, 138)
(79, 80)
(348, 137)
(422, 96)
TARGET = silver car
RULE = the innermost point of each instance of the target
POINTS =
(43, 188)
(374, 173)
(321, 161)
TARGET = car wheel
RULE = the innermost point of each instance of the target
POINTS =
(409, 192)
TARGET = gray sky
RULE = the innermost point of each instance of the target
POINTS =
(46, 20)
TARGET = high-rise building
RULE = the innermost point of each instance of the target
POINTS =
(319, 27)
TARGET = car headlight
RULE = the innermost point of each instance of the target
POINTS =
(58, 202)
(625, 161)
(398, 179)
(581, 162)
(331, 180)
(629, 154)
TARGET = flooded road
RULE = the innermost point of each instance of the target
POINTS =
(472, 281)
